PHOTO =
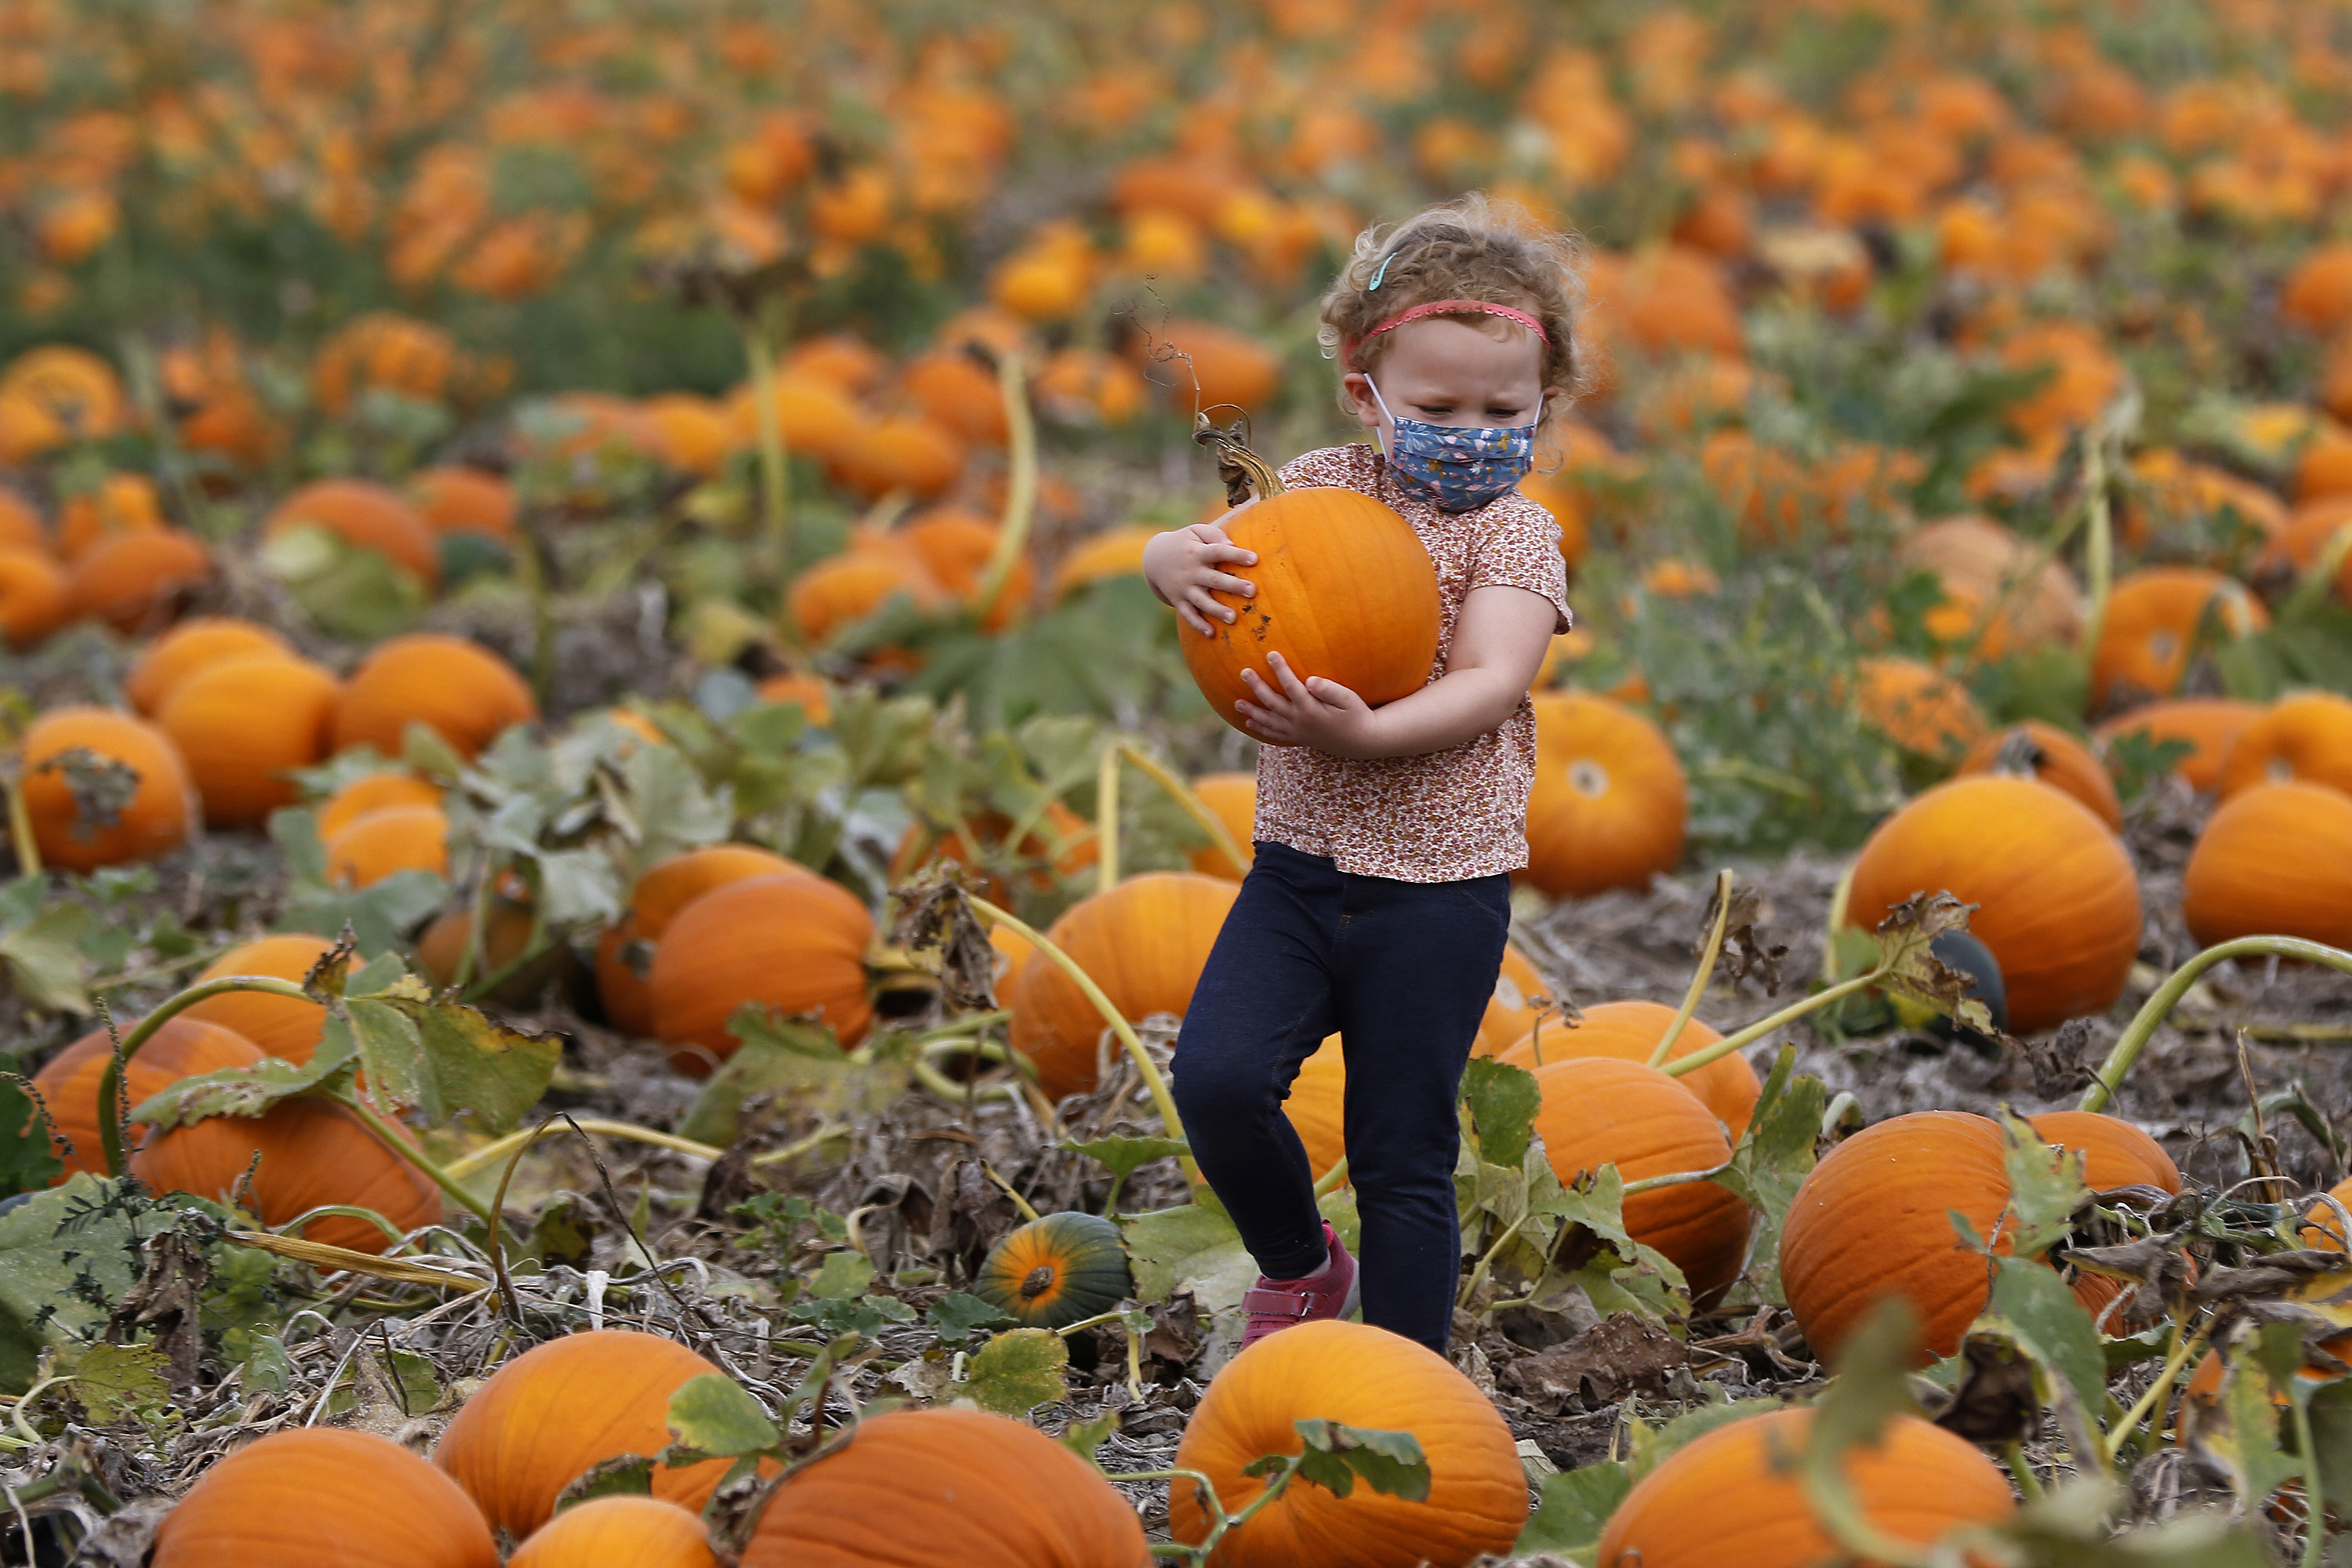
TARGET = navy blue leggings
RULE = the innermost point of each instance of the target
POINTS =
(1403, 972)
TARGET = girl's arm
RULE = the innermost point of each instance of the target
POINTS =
(1498, 644)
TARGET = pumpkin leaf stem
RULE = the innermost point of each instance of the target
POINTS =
(1020, 486)
(1196, 808)
(110, 1083)
(2167, 996)
(401, 1146)
(1107, 820)
(1708, 954)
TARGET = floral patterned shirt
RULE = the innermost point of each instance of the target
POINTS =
(1442, 816)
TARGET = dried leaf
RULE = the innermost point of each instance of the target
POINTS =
(328, 1259)
(1016, 1371)
(935, 916)
(28, 1160)
(112, 1381)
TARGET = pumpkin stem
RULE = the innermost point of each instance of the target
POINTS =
(110, 1082)
(1107, 819)
(760, 335)
(1020, 485)
(2099, 550)
(2167, 996)
(440, 1178)
(1242, 469)
(20, 827)
(1707, 957)
(1038, 1281)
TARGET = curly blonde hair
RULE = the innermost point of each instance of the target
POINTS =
(1468, 248)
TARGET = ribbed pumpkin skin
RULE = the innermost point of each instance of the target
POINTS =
(1918, 708)
(1873, 1220)
(313, 1152)
(68, 1081)
(280, 1026)
(921, 1488)
(324, 1497)
(2210, 724)
(2305, 737)
(129, 579)
(791, 941)
(1055, 1270)
(1721, 1500)
(2152, 621)
(398, 838)
(244, 724)
(660, 894)
(1144, 941)
(1233, 798)
(375, 792)
(454, 499)
(2058, 900)
(159, 816)
(2275, 859)
(563, 1407)
(32, 596)
(1629, 1031)
(2066, 764)
(459, 690)
(1600, 1110)
(1345, 590)
(1609, 801)
(2116, 1153)
(1351, 1373)
(618, 1532)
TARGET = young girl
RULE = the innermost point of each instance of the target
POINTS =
(1379, 901)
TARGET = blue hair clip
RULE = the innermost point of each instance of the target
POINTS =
(1374, 287)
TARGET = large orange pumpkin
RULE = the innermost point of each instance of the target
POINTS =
(791, 941)
(2208, 725)
(1603, 1110)
(2154, 617)
(1731, 1497)
(2057, 900)
(2054, 757)
(1233, 798)
(1144, 941)
(73, 834)
(2308, 737)
(130, 580)
(2116, 1153)
(660, 894)
(121, 503)
(367, 516)
(318, 1495)
(1317, 1105)
(457, 689)
(955, 547)
(399, 839)
(1338, 1370)
(915, 453)
(609, 1532)
(1610, 800)
(32, 596)
(1873, 1220)
(463, 501)
(1919, 708)
(2323, 1226)
(183, 1048)
(1114, 552)
(2274, 860)
(373, 793)
(281, 1026)
(244, 724)
(1513, 1008)
(187, 647)
(1345, 591)
(1629, 1031)
(915, 1488)
(835, 594)
(2038, 601)
(311, 1152)
(563, 1407)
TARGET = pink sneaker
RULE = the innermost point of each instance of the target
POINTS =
(1329, 1292)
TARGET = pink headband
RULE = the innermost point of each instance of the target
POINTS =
(1451, 308)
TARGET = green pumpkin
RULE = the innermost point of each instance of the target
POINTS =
(1055, 1270)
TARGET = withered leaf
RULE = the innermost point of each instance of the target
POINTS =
(935, 916)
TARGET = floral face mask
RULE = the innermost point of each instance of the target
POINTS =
(1459, 469)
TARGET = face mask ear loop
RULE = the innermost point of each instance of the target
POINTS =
(1377, 435)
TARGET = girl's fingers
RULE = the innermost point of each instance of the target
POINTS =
(1229, 553)
(1200, 600)
(1292, 687)
(1191, 617)
(1241, 585)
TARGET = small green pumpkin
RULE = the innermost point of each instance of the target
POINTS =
(1055, 1270)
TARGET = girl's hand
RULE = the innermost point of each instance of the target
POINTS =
(1313, 712)
(1182, 567)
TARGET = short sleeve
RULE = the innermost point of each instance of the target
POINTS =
(1337, 468)
(1521, 550)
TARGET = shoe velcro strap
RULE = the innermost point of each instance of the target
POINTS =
(1283, 1303)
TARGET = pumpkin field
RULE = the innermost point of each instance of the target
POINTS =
(607, 844)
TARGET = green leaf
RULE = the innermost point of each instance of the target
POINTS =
(29, 1158)
(622, 1475)
(444, 1057)
(801, 1061)
(377, 915)
(67, 1255)
(842, 1275)
(2046, 1189)
(1125, 1156)
(268, 1368)
(250, 1091)
(2040, 1311)
(1083, 1437)
(1774, 1156)
(115, 1381)
(1650, 1447)
(1573, 1510)
(1503, 1101)
(958, 1313)
(713, 1415)
(1016, 1371)
(1869, 1390)
(1336, 1457)
(1197, 1249)
(44, 960)
(2246, 1443)
(2331, 1440)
